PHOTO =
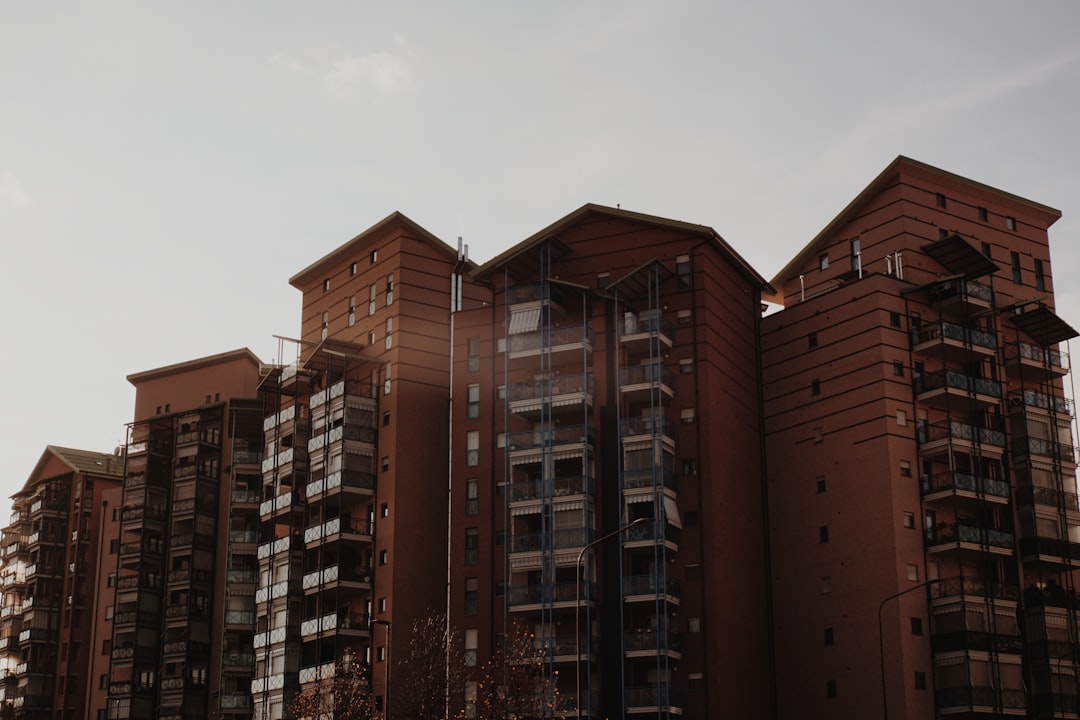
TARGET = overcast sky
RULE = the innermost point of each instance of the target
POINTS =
(166, 167)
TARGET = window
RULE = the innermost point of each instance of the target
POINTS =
(829, 639)
(983, 216)
(920, 680)
(470, 647)
(470, 693)
(685, 317)
(986, 249)
(386, 380)
(326, 285)
(500, 392)
(602, 280)
(823, 534)
(1010, 223)
(898, 368)
(690, 518)
(103, 681)
(939, 198)
(693, 625)
(811, 340)
(106, 647)
(371, 338)
(686, 415)
(384, 557)
(380, 654)
(820, 484)
(386, 418)
(692, 572)
(372, 292)
(500, 440)
(112, 580)
(389, 332)
(114, 546)
(473, 363)
(382, 605)
(901, 418)
(352, 269)
(472, 496)
(385, 463)
(830, 689)
(472, 448)
(815, 387)
(823, 262)
(894, 319)
(913, 572)
(472, 546)
(1040, 278)
(942, 234)
(686, 366)
(689, 467)
(472, 404)
(1016, 277)
(826, 584)
(384, 510)
(108, 612)
(472, 596)
(916, 626)
(390, 289)
(325, 325)
(909, 520)
(352, 310)
(856, 255)
(682, 271)
(905, 468)
(374, 256)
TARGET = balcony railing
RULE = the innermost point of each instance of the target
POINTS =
(956, 381)
(1051, 497)
(549, 593)
(1059, 452)
(648, 477)
(958, 333)
(648, 374)
(648, 531)
(573, 335)
(658, 696)
(967, 697)
(954, 430)
(356, 479)
(555, 539)
(655, 424)
(650, 585)
(973, 587)
(649, 321)
(560, 435)
(1032, 399)
(1046, 357)
(239, 617)
(550, 387)
(534, 292)
(553, 487)
(649, 640)
(955, 533)
(965, 481)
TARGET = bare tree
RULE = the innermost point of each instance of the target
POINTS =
(345, 696)
(432, 665)
(518, 683)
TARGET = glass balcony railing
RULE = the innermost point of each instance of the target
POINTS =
(651, 585)
(650, 696)
(973, 587)
(552, 487)
(550, 593)
(549, 338)
(552, 435)
(550, 387)
(649, 477)
(652, 424)
(534, 292)
(1034, 495)
(649, 374)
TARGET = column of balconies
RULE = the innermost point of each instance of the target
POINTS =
(276, 641)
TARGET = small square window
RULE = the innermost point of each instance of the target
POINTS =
(829, 639)
(686, 415)
(942, 234)
(1010, 223)
(815, 387)
(819, 435)
(690, 518)
(916, 626)
(685, 317)
(898, 368)
(811, 340)
(682, 271)
(823, 262)
(820, 484)
(686, 366)
(823, 534)
(374, 256)
(905, 468)
(830, 689)
(983, 215)
(909, 520)
(920, 680)
(894, 319)
(693, 625)
(913, 572)
(386, 418)
(689, 467)
(693, 572)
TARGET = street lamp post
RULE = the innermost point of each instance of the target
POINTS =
(577, 604)
(386, 667)
(881, 639)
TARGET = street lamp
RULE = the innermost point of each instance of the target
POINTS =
(386, 668)
(577, 604)
(881, 639)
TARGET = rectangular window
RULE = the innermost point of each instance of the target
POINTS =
(386, 463)
(472, 496)
(815, 387)
(326, 285)
(472, 448)
(682, 271)
(352, 310)
(898, 368)
(472, 403)
(1040, 278)
(325, 325)
(474, 355)
(829, 638)
(823, 534)
(920, 680)
(1016, 277)
(390, 289)
(386, 379)
(374, 256)
(913, 572)
(472, 546)
(685, 317)
(909, 520)
(686, 366)
(939, 198)
(686, 415)
(820, 483)
(983, 215)
(942, 234)
(901, 418)
(856, 255)
(384, 557)
(472, 596)
(372, 293)
(916, 626)
(894, 319)
(470, 647)
(830, 689)
(905, 468)
(823, 262)
(811, 340)
(1010, 223)
(352, 269)
(986, 249)
(826, 584)
(389, 332)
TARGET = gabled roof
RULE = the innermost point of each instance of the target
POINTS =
(346, 252)
(883, 180)
(187, 366)
(553, 230)
(86, 462)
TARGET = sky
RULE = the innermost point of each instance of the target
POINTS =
(166, 167)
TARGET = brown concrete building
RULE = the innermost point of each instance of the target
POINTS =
(921, 473)
(49, 573)
(613, 379)
(355, 469)
(184, 564)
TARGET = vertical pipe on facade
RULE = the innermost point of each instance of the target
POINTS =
(621, 452)
(455, 306)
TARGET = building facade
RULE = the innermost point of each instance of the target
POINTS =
(608, 390)
(922, 475)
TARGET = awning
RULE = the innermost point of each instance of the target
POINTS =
(525, 510)
(570, 505)
(523, 321)
(672, 511)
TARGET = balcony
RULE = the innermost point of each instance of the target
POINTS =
(552, 487)
(562, 442)
(283, 460)
(315, 673)
(561, 395)
(357, 482)
(652, 533)
(242, 576)
(236, 701)
(341, 622)
(945, 388)
(349, 433)
(647, 588)
(529, 597)
(964, 486)
(953, 341)
(963, 294)
(552, 342)
(947, 537)
(552, 540)
(1050, 497)
(356, 530)
(1021, 402)
(280, 589)
(641, 382)
(640, 332)
(538, 293)
(244, 537)
(276, 506)
(647, 429)
(1050, 450)
(653, 699)
(1050, 551)
(1034, 362)
(980, 699)
(647, 643)
(973, 588)
(939, 438)
(245, 618)
(359, 576)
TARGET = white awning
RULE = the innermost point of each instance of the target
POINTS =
(672, 512)
(523, 321)
(525, 510)
(571, 505)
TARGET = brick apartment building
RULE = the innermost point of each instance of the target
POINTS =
(696, 509)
